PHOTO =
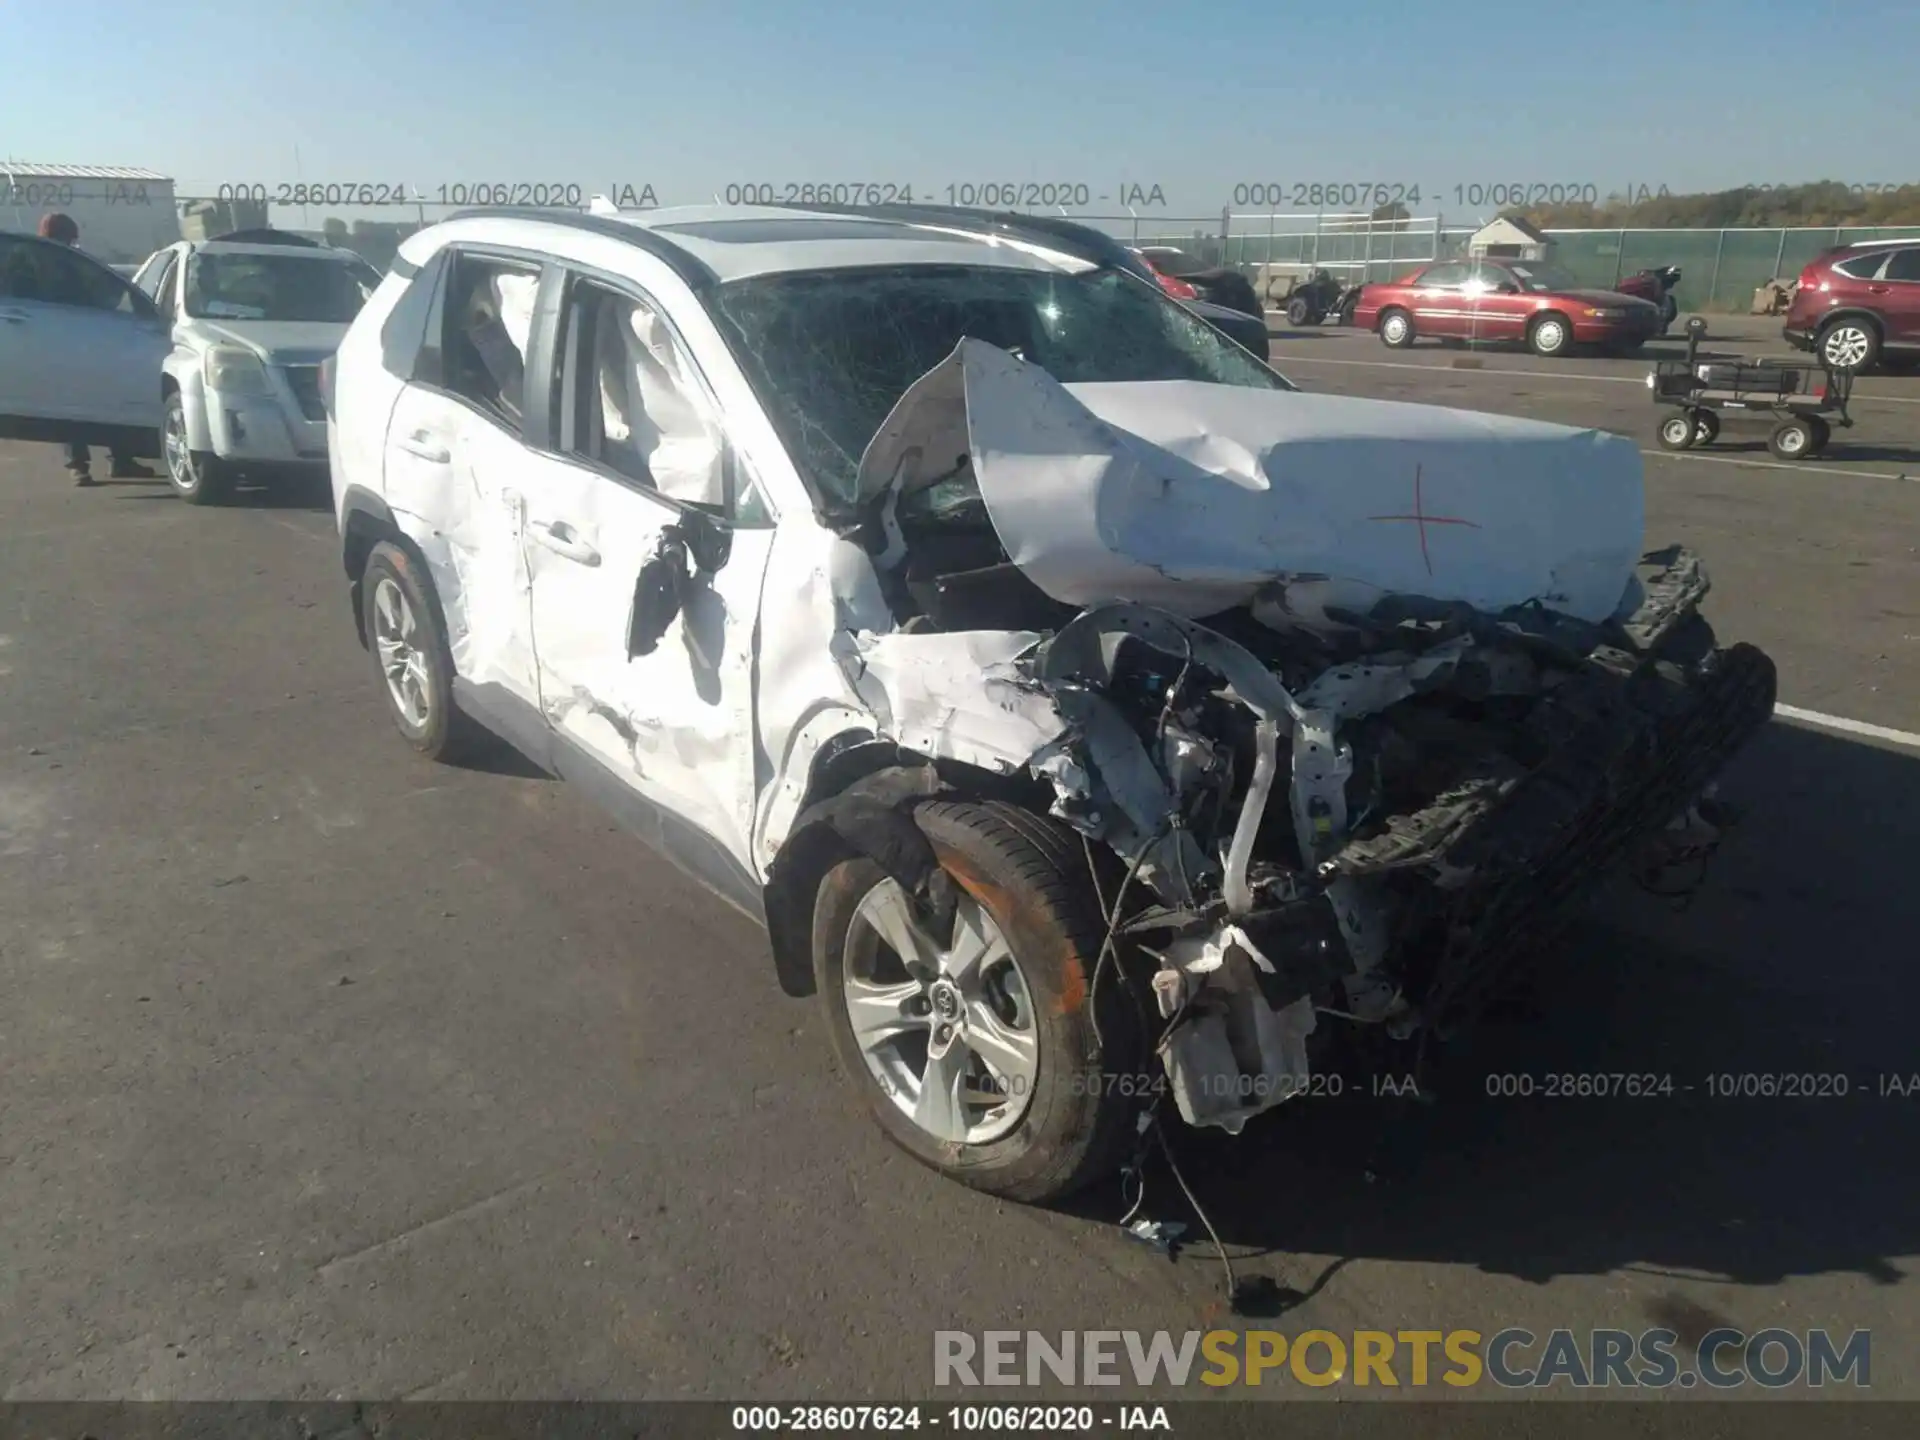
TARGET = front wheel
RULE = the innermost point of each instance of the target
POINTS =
(1550, 335)
(196, 476)
(1678, 432)
(1299, 312)
(977, 1051)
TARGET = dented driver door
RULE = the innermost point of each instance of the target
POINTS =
(662, 729)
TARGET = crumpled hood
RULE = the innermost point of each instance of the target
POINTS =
(1608, 299)
(278, 342)
(1194, 496)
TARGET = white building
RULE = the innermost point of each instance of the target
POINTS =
(124, 213)
(1510, 238)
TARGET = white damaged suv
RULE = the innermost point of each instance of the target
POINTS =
(252, 316)
(1102, 727)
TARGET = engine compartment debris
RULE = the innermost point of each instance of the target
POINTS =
(1358, 695)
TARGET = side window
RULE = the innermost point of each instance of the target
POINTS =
(409, 346)
(631, 402)
(1862, 267)
(1488, 278)
(1905, 265)
(1444, 277)
(55, 275)
(485, 322)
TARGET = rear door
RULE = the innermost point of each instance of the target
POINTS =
(663, 731)
(80, 347)
(1897, 294)
(456, 458)
(1441, 305)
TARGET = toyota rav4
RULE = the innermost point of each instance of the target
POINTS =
(1099, 725)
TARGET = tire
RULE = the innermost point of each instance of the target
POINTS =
(1299, 312)
(197, 477)
(1396, 329)
(1706, 427)
(1848, 343)
(1822, 433)
(1669, 312)
(1550, 334)
(1678, 432)
(1792, 440)
(1075, 1121)
(437, 730)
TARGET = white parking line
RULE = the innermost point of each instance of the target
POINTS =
(1280, 363)
(1851, 727)
(1796, 465)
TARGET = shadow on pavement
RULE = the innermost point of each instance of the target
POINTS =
(1796, 960)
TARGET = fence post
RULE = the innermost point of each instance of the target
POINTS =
(1271, 218)
(1226, 219)
(1779, 254)
(1619, 255)
(1719, 248)
(1317, 217)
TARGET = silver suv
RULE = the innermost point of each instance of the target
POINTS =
(251, 321)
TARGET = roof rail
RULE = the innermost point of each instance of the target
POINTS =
(683, 263)
(1055, 232)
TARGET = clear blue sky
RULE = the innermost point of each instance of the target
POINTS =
(687, 96)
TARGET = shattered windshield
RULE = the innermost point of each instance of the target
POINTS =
(245, 286)
(1540, 278)
(830, 352)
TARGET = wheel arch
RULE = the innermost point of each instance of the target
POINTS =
(861, 794)
(365, 521)
(1854, 313)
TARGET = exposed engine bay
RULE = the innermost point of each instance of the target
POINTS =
(1353, 792)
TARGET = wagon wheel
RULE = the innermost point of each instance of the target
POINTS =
(1792, 440)
(1678, 432)
(1706, 427)
(1822, 433)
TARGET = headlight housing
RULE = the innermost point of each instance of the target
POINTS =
(235, 370)
(1606, 314)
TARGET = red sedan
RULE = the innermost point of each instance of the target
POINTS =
(1527, 301)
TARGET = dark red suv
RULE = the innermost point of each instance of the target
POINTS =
(1859, 304)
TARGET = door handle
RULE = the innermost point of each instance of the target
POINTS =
(422, 444)
(1878, 289)
(559, 538)
(14, 317)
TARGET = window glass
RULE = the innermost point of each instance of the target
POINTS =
(1862, 267)
(1445, 277)
(632, 402)
(1905, 265)
(487, 318)
(56, 275)
(237, 285)
(162, 290)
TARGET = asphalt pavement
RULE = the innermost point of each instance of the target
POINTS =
(327, 1072)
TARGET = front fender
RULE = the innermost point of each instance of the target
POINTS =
(182, 367)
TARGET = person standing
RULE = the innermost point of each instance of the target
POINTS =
(61, 229)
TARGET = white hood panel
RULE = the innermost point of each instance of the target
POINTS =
(1191, 496)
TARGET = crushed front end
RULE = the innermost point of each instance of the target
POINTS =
(1330, 771)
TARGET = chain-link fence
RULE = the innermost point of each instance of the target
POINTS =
(1720, 269)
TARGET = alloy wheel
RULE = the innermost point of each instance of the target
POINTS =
(1847, 346)
(403, 659)
(947, 1032)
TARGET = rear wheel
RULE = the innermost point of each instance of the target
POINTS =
(1299, 312)
(1792, 440)
(1822, 433)
(405, 634)
(1706, 427)
(1396, 329)
(1849, 344)
(1550, 334)
(196, 476)
(977, 1052)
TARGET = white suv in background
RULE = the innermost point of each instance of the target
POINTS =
(1016, 648)
(251, 318)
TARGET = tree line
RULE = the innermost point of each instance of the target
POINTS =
(1819, 202)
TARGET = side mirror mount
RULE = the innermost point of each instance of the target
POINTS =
(690, 550)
